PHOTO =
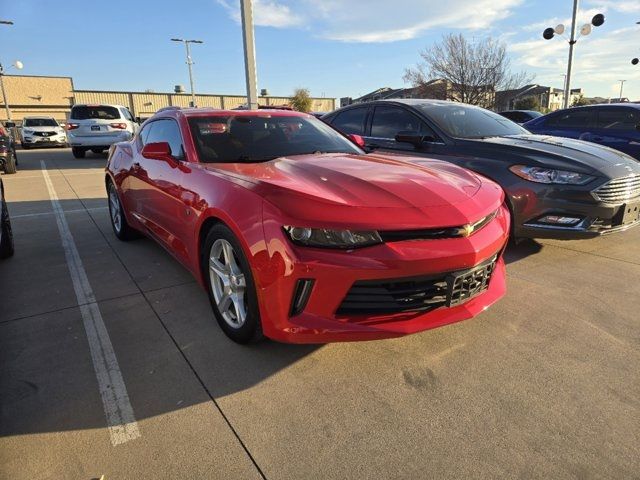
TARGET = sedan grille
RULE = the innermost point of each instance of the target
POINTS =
(619, 190)
(44, 134)
(422, 294)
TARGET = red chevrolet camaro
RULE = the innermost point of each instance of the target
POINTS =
(299, 235)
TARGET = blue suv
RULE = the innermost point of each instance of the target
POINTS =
(615, 125)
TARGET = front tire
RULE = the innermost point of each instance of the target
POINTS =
(6, 241)
(230, 284)
(119, 223)
(78, 152)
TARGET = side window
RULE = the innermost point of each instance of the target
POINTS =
(581, 118)
(351, 121)
(167, 131)
(144, 133)
(618, 119)
(388, 121)
(126, 114)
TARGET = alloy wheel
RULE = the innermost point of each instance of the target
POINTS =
(228, 283)
(114, 209)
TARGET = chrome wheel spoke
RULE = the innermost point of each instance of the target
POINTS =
(218, 268)
(224, 303)
(239, 307)
(228, 283)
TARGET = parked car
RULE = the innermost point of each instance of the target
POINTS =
(295, 232)
(6, 237)
(8, 157)
(42, 132)
(555, 187)
(613, 125)
(520, 116)
(97, 127)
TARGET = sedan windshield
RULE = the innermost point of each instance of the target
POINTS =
(464, 121)
(262, 137)
(40, 122)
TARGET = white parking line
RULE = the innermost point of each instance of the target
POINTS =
(117, 407)
(75, 210)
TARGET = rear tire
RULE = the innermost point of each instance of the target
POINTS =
(119, 223)
(78, 152)
(10, 163)
(6, 241)
(231, 279)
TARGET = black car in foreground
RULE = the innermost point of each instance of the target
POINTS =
(8, 158)
(6, 237)
(555, 187)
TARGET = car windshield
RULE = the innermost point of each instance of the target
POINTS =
(464, 121)
(39, 122)
(263, 137)
(101, 112)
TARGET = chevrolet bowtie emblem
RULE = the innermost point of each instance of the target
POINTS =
(466, 230)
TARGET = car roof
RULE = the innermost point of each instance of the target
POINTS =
(605, 105)
(98, 105)
(216, 112)
(37, 117)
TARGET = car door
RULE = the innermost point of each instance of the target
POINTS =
(350, 121)
(617, 127)
(387, 121)
(571, 123)
(157, 186)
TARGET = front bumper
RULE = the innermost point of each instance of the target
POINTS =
(334, 273)
(32, 140)
(594, 218)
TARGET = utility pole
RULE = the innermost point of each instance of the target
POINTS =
(572, 42)
(621, 84)
(189, 64)
(246, 9)
(4, 94)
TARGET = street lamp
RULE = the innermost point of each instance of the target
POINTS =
(17, 64)
(636, 60)
(189, 63)
(549, 33)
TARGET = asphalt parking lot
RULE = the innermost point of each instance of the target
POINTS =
(544, 384)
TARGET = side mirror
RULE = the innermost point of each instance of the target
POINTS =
(10, 124)
(357, 139)
(158, 151)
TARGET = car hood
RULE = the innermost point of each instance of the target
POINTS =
(561, 153)
(361, 180)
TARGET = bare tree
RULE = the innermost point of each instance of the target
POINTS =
(474, 71)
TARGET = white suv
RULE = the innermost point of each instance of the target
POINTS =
(97, 127)
(42, 132)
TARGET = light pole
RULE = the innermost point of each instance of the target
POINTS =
(621, 84)
(189, 63)
(635, 61)
(246, 10)
(17, 64)
(549, 33)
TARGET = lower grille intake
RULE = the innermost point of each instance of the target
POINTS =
(418, 294)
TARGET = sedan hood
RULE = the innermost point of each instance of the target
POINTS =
(42, 129)
(361, 180)
(561, 153)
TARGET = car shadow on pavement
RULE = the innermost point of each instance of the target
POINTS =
(169, 348)
(52, 157)
(521, 250)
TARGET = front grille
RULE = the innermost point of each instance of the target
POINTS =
(619, 190)
(436, 233)
(420, 294)
(44, 134)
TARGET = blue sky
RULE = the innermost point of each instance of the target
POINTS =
(333, 47)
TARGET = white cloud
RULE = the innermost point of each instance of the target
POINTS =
(375, 21)
(600, 61)
(624, 6)
(266, 13)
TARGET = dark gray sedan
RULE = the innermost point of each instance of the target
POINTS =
(555, 187)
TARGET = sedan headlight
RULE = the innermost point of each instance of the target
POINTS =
(28, 132)
(327, 238)
(548, 175)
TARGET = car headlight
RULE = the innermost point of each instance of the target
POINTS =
(548, 175)
(327, 238)
(28, 132)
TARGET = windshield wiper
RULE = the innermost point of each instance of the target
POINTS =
(248, 159)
